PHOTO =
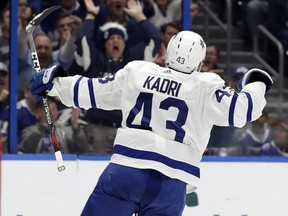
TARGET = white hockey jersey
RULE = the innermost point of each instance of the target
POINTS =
(167, 115)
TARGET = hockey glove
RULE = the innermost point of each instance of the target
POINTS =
(42, 81)
(254, 75)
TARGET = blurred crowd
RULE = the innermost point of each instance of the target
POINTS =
(96, 38)
(248, 14)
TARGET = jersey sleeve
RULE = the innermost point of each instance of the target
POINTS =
(226, 107)
(82, 92)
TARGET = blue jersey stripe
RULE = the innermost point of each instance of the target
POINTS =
(91, 93)
(250, 107)
(232, 109)
(76, 90)
(146, 155)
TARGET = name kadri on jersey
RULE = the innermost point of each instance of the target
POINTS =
(162, 85)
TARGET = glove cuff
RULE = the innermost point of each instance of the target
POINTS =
(254, 75)
(51, 73)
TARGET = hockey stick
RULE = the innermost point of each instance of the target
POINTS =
(30, 29)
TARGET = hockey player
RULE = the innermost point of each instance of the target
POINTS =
(167, 117)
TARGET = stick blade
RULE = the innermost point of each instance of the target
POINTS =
(37, 19)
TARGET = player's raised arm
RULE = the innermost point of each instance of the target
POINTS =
(243, 107)
(78, 91)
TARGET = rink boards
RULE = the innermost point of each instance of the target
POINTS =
(230, 186)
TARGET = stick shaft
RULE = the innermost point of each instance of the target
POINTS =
(37, 68)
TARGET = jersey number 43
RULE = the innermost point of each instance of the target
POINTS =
(144, 101)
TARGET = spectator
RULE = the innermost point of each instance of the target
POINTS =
(25, 107)
(167, 30)
(4, 82)
(278, 25)
(36, 5)
(67, 27)
(256, 134)
(63, 26)
(194, 10)
(72, 7)
(111, 11)
(89, 55)
(75, 130)
(211, 61)
(115, 11)
(256, 14)
(278, 20)
(102, 125)
(4, 102)
(236, 75)
(160, 12)
(3, 4)
(25, 14)
(4, 38)
(26, 111)
(26, 70)
(279, 144)
(44, 50)
(37, 138)
(238, 10)
(46, 56)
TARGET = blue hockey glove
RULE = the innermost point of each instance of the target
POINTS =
(42, 81)
(254, 75)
